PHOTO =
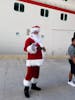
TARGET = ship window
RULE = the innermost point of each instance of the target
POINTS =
(65, 0)
(44, 12)
(63, 17)
(16, 6)
(21, 7)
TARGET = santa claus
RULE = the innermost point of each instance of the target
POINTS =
(33, 47)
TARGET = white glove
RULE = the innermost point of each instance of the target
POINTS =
(33, 46)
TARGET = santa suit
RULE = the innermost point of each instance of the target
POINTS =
(34, 58)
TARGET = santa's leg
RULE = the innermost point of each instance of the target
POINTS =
(27, 82)
(35, 78)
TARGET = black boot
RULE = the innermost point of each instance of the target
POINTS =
(26, 92)
(34, 87)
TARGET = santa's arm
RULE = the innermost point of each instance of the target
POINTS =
(30, 47)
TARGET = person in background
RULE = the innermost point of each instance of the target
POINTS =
(71, 52)
(34, 47)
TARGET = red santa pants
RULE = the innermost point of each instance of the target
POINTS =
(32, 72)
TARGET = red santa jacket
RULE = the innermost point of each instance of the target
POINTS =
(34, 56)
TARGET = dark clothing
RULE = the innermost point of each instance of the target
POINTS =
(72, 66)
(71, 50)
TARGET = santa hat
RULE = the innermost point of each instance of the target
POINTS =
(35, 28)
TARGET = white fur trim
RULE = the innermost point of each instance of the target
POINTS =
(31, 49)
(34, 62)
(35, 29)
(34, 80)
(26, 82)
(37, 39)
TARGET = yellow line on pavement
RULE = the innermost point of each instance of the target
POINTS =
(25, 56)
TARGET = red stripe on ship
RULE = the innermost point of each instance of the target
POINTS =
(48, 6)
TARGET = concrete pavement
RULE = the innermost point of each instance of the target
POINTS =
(53, 80)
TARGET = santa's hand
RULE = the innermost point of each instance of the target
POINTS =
(44, 49)
(41, 48)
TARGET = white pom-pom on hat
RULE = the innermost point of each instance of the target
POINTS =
(35, 29)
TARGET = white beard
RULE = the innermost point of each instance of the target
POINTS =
(37, 39)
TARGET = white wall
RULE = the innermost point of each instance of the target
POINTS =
(57, 33)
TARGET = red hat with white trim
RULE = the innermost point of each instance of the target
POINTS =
(35, 29)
